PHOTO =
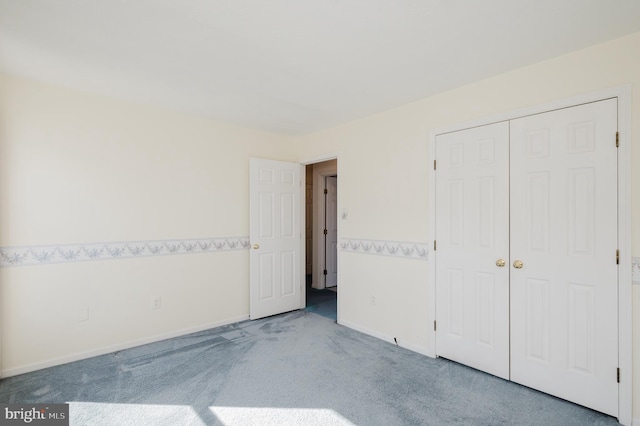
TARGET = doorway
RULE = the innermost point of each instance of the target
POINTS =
(321, 246)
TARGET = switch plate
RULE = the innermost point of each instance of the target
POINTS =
(156, 302)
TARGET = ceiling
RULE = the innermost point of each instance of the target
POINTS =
(292, 66)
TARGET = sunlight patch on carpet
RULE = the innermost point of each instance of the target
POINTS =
(264, 416)
(108, 414)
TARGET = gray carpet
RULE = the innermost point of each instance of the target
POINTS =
(298, 368)
(322, 302)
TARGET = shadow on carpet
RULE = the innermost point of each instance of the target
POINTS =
(322, 302)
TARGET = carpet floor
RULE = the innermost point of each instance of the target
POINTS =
(322, 302)
(299, 368)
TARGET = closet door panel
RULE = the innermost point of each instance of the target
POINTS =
(472, 292)
(563, 214)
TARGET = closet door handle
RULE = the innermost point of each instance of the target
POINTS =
(256, 246)
(500, 263)
(518, 264)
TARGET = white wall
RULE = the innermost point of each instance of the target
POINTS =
(81, 168)
(384, 171)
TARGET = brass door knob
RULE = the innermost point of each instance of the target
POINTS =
(256, 246)
(500, 263)
(518, 264)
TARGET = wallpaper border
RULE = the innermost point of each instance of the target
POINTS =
(402, 249)
(420, 251)
(71, 253)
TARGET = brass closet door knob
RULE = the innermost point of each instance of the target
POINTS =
(256, 246)
(518, 264)
(500, 263)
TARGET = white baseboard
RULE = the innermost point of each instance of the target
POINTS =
(410, 346)
(422, 350)
(113, 348)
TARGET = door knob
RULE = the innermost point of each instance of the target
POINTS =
(256, 246)
(500, 263)
(518, 264)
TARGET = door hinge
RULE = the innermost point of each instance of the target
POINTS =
(324, 272)
(325, 191)
(617, 139)
(434, 164)
(325, 232)
(434, 245)
(618, 375)
(617, 257)
(434, 325)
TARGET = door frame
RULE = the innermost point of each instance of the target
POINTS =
(625, 289)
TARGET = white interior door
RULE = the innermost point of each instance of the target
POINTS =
(276, 243)
(472, 207)
(564, 298)
(331, 236)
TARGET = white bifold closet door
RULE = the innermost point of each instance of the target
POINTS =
(472, 220)
(564, 299)
(540, 193)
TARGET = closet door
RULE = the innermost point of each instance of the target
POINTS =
(472, 237)
(564, 282)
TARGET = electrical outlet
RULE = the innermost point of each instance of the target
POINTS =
(82, 314)
(372, 300)
(156, 302)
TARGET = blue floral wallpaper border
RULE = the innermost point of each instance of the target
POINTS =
(69, 253)
(421, 251)
(386, 248)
